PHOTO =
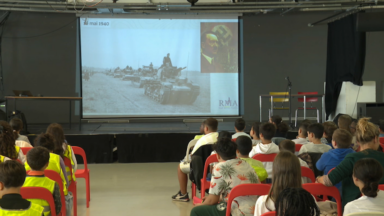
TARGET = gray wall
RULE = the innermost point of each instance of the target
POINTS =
(279, 46)
(40, 54)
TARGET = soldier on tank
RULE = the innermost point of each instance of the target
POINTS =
(166, 60)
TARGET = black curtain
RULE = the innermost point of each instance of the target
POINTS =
(345, 58)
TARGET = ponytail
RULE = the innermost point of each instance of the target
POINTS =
(366, 131)
(16, 125)
(7, 141)
(370, 172)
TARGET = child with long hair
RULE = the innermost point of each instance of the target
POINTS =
(62, 148)
(286, 174)
(7, 143)
(17, 126)
(367, 136)
(296, 201)
(367, 173)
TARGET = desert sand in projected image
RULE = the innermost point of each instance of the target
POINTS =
(104, 94)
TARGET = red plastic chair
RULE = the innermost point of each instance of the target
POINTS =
(83, 173)
(39, 193)
(330, 170)
(265, 157)
(319, 189)
(246, 190)
(56, 177)
(72, 185)
(25, 150)
(297, 148)
(306, 172)
(381, 140)
(381, 187)
(382, 146)
(204, 183)
(307, 99)
(272, 213)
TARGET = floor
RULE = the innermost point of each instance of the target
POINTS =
(132, 189)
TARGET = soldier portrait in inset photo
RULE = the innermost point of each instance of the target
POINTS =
(219, 47)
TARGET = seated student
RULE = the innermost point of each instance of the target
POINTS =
(344, 121)
(329, 129)
(381, 128)
(239, 128)
(38, 159)
(367, 173)
(12, 176)
(7, 143)
(267, 130)
(244, 146)
(341, 143)
(367, 135)
(289, 145)
(281, 127)
(255, 133)
(315, 133)
(210, 137)
(55, 162)
(296, 201)
(302, 134)
(228, 173)
(352, 129)
(286, 174)
(62, 148)
(17, 126)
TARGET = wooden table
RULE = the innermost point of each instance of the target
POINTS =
(70, 99)
(304, 96)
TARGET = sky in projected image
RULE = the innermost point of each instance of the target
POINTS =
(137, 42)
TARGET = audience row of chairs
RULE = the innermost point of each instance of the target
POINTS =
(42, 193)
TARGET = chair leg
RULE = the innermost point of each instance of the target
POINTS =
(88, 189)
(318, 116)
(296, 118)
(73, 189)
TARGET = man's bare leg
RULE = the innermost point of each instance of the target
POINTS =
(183, 180)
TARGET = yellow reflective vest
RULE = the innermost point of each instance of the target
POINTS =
(33, 210)
(68, 154)
(54, 164)
(43, 182)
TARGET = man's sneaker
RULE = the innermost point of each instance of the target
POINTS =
(180, 197)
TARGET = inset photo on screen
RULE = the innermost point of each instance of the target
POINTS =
(219, 47)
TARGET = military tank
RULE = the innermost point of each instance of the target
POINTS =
(141, 76)
(168, 87)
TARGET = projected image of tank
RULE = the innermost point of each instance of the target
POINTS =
(142, 75)
(117, 73)
(168, 87)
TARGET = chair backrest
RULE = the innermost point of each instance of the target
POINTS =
(56, 177)
(265, 157)
(330, 170)
(381, 140)
(68, 163)
(272, 213)
(285, 99)
(308, 99)
(246, 190)
(298, 147)
(39, 193)
(366, 213)
(319, 189)
(210, 159)
(381, 187)
(382, 146)
(79, 151)
(25, 150)
(306, 172)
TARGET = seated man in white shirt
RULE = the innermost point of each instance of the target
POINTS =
(239, 128)
(302, 134)
(210, 137)
(315, 133)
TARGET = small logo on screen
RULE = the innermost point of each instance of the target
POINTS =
(228, 104)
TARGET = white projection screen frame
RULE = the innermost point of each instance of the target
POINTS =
(159, 67)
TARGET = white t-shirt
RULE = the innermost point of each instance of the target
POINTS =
(210, 138)
(366, 204)
(302, 141)
(265, 149)
(255, 142)
(234, 136)
(314, 148)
